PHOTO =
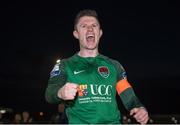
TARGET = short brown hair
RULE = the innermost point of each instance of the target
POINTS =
(85, 12)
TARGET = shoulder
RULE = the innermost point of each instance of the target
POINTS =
(115, 63)
(70, 59)
(59, 67)
(111, 60)
(64, 61)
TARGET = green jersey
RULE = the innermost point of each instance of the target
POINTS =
(97, 79)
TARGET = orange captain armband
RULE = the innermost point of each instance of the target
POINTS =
(122, 85)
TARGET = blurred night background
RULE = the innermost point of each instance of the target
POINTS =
(142, 35)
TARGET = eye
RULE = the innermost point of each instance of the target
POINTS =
(83, 26)
(94, 25)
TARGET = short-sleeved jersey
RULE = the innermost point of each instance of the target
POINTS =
(97, 79)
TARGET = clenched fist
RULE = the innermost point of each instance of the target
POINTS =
(68, 91)
(140, 114)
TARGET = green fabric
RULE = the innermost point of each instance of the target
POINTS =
(54, 84)
(96, 99)
(129, 99)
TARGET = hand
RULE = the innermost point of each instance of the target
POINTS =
(68, 91)
(140, 114)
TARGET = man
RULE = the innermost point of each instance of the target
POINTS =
(88, 81)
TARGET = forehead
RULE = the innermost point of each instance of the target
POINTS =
(87, 19)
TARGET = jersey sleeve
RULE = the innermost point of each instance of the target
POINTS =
(56, 81)
(125, 90)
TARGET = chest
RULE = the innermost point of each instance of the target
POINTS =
(95, 72)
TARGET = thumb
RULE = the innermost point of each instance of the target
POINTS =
(133, 111)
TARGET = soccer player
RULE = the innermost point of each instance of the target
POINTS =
(89, 81)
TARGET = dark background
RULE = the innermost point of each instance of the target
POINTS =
(143, 36)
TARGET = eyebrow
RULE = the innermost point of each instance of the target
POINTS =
(80, 24)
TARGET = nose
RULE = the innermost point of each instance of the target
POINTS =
(90, 28)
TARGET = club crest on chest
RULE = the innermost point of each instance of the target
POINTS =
(103, 71)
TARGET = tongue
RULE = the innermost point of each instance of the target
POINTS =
(90, 39)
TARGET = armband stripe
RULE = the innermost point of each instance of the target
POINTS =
(122, 85)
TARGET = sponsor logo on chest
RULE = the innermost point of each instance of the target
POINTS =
(94, 90)
(95, 93)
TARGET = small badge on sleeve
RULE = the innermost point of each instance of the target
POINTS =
(55, 70)
(124, 75)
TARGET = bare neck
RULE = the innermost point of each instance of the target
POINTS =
(88, 53)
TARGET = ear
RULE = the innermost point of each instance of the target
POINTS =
(101, 33)
(75, 34)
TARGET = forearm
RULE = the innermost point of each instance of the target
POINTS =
(54, 84)
(51, 93)
(129, 99)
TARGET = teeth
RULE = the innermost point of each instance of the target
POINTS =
(89, 36)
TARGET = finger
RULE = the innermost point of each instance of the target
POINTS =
(72, 85)
(144, 119)
(69, 98)
(73, 91)
(139, 114)
(133, 111)
(144, 122)
(70, 95)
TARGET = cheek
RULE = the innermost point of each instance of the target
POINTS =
(98, 35)
(82, 34)
(98, 32)
(81, 38)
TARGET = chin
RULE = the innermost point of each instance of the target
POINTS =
(91, 48)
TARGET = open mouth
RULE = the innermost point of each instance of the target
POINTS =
(90, 38)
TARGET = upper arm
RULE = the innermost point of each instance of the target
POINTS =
(57, 79)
